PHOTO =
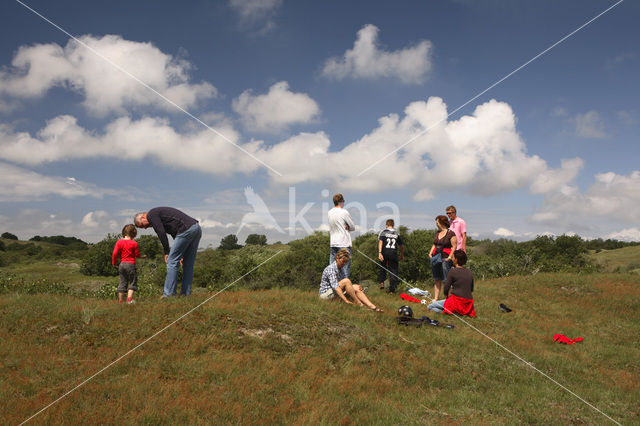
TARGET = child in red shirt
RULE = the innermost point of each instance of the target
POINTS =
(128, 250)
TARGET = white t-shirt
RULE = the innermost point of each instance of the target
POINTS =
(338, 219)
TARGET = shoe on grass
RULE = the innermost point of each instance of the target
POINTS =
(503, 308)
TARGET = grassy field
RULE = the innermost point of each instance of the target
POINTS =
(65, 271)
(626, 259)
(282, 356)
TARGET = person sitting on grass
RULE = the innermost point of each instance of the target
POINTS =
(460, 282)
(128, 250)
(333, 283)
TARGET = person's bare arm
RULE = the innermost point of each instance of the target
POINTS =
(341, 295)
(454, 245)
(380, 256)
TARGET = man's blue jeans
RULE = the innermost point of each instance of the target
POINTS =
(346, 270)
(185, 247)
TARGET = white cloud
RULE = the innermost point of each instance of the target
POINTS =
(18, 184)
(207, 223)
(552, 180)
(610, 196)
(589, 125)
(490, 157)
(276, 109)
(256, 13)
(628, 234)
(99, 218)
(504, 232)
(323, 228)
(149, 138)
(367, 60)
(38, 68)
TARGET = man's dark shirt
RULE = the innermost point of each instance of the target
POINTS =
(167, 220)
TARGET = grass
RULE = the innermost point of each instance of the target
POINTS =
(64, 271)
(282, 356)
(626, 259)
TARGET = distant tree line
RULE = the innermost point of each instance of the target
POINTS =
(300, 262)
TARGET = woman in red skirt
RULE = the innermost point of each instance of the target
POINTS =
(460, 282)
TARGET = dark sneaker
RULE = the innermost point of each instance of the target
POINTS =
(503, 308)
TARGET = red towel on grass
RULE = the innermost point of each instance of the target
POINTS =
(564, 339)
(405, 296)
(459, 305)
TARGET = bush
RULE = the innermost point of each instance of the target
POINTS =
(150, 246)
(8, 236)
(2, 246)
(364, 258)
(230, 242)
(15, 247)
(417, 266)
(97, 260)
(256, 239)
(70, 242)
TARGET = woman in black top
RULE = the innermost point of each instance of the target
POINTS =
(444, 244)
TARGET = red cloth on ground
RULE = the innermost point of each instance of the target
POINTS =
(459, 305)
(405, 296)
(128, 251)
(564, 339)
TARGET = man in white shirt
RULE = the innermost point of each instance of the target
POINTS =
(340, 224)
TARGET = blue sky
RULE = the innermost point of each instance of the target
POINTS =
(314, 98)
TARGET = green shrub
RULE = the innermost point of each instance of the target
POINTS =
(417, 266)
(257, 239)
(97, 260)
(230, 242)
(8, 236)
(71, 242)
(150, 246)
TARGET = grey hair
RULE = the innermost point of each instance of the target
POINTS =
(136, 219)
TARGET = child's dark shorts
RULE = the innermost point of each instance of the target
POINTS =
(128, 277)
